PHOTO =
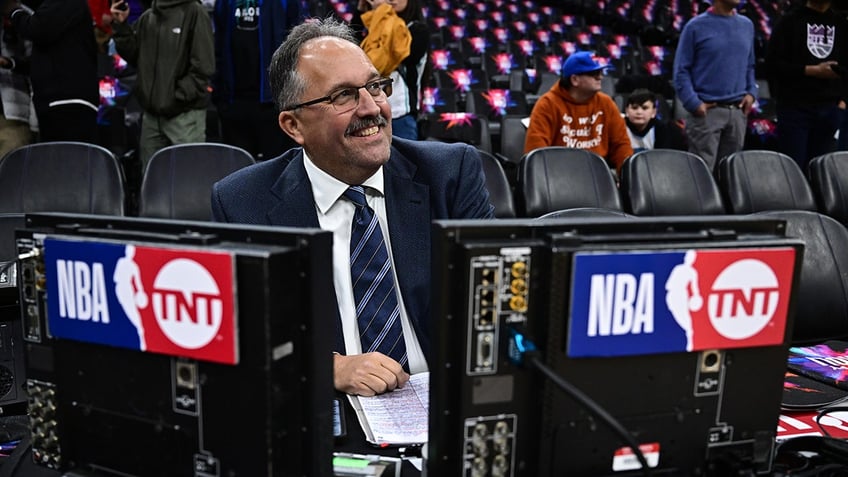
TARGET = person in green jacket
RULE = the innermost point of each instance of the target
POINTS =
(172, 46)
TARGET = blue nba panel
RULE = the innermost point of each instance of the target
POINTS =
(83, 304)
(618, 305)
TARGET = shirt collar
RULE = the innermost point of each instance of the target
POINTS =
(326, 189)
(711, 10)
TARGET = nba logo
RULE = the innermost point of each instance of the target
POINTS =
(178, 302)
(635, 303)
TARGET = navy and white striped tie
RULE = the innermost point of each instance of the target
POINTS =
(377, 310)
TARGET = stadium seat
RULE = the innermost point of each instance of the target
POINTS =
(556, 178)
(585, 213)
(821, 301)
(756, 181)
(61, 177)
(669, 182)
(500, 191)
(828, 175)
(177, 183)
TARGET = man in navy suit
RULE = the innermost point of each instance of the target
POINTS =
(333, 104)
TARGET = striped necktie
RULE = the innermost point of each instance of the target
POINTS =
(377, 310)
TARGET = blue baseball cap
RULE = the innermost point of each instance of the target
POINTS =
(580, 62)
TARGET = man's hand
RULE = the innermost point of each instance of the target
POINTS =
(746, 104)
(702, 109)
(5, 62)
(367, 374)
(119, 11)
(823, 70)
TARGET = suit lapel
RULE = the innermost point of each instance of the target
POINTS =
(408, 211)
(295, 205)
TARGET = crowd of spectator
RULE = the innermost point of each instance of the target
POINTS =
(190, 71)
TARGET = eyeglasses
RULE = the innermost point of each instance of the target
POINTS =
(593, 74)
(347, 99)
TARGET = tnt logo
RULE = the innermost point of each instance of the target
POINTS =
(632, 303)
(179, 302)
(744, 299)
(187, 303)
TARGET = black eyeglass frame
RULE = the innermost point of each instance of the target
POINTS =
(593, 73)
(384, 83)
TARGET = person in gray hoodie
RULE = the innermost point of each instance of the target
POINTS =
(172, 46)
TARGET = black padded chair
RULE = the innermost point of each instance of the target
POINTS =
(821, 302)
(177, 183)
(547, 80)
(513, 133)
(62, 177)
(586, 213)
(756, 181)
(828, 175)
(500, 192)
(669, 182)
(556, 178)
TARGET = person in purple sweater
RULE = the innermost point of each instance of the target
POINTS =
(714, 79)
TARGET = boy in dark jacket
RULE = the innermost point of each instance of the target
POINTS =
(172, 47)
(643, 127)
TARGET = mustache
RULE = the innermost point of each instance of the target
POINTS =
(363, 123)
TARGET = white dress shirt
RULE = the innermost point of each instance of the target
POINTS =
(335, 213)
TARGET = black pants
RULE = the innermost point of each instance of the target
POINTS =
(68, 122)
(253, 126)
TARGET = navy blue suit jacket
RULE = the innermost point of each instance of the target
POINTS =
(423, 180)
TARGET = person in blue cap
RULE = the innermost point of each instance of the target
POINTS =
(575, 113)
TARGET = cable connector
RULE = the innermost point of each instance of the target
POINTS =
(34, 253)
(519, 346)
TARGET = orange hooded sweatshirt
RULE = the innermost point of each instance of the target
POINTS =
(597, 125)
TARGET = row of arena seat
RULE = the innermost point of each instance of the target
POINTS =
(87, 178)
(76, 177)
(668, 182)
